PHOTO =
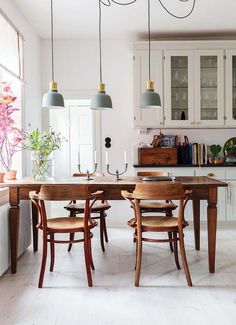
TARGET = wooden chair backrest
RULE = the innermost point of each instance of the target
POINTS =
(160, 173)
(61, 192)
(161, 191)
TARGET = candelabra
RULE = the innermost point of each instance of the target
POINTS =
(117, 174)
(88, 173)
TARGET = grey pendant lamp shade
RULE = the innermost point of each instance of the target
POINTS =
(101, 100)
(52, 99)
(149, 98)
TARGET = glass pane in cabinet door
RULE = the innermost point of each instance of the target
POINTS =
(209, 88)
(234, 87)
(179, 88)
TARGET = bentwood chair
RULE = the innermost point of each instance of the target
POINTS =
(173, 224)
(166, 207)
(67, 225)
(98, 210)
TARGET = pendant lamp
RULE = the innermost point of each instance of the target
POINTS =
(101, 100)
(52, 99)
(149, 98)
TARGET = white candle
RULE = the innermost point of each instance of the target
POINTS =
(95, 156)
(106, 158)
(125, 157)
(78, 158)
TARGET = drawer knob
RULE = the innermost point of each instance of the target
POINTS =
(211, 174)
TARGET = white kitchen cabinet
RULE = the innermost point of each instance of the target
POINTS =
(147, 117)
(197, 88)
(231, 194)
(230, 88)
(209, 87)
(217, 173)
(226, 196)
(178, 88)
(194, 88)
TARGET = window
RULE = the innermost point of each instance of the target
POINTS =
(11, 47)
(11, 71)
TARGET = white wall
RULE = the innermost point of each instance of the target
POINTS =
(77, 68)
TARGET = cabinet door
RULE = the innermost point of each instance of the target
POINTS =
(209, 87)
(147, 117)
(217, 173)
(231, 200)
(178, 88)
(230, 87)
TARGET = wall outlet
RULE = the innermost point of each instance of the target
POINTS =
(143, 131)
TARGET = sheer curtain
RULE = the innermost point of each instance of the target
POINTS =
(11, 71)
(11, 48)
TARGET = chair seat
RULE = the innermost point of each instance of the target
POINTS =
(157, 205)
(98, 206)
(68, 223)
(163, 222)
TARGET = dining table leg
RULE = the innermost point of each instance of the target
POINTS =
(34, 211)
(14, 214)
(196, 222)
(211, 226)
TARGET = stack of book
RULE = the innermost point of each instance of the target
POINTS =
(192, 154)
(198, 153)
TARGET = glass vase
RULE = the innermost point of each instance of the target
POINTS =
(43, 167)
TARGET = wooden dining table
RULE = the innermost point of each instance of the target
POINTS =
(203, 188)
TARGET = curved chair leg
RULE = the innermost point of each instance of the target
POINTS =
(171, 244)
(134, 239)
(44, 259)
(138, 261)
(101, 233)
(176, 251)
(90, 254)
(87, 260)
(184, 259)
(105, 231)
(52, 251)
(72, 236)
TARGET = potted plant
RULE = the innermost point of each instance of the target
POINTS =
(215, 150)
(42, 145)
(10, 135)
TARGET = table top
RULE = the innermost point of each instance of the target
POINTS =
(196, 181)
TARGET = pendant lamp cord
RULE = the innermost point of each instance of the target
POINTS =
(100, 39)
(149, 43)
(52, 41)
(108, 4)
(179, 17)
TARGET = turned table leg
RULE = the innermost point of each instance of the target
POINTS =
(196, 222)
(212, 225)
(14, 213)
(34, 211)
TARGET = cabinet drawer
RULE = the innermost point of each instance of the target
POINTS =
(218, 173)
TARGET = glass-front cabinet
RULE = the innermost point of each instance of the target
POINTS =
(209, 87)
(178, 87)
(230, 87)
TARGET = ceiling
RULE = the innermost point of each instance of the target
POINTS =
(75, 19)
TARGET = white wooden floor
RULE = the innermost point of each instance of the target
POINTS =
(162, 298)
